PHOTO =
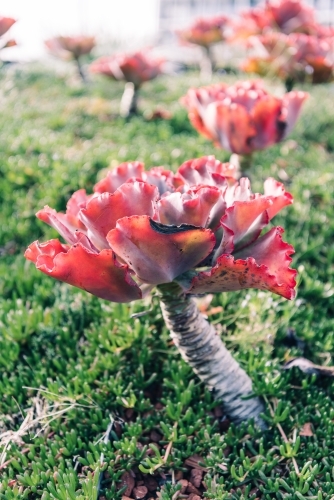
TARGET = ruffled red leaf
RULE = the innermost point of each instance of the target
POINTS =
(103, 211)
(279, 197)
(198, 208)
(234, 127)
(158, 253)
(265, 267)
(270, 250)
(246, 219)
(78, 200)
(266, 118)
(118, 176)
(99, 274)
(63, 225)
(206, 170)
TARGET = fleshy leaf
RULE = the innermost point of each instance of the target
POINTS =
(61, 223)
(201, 171)
(78, 200)
(192, 207)
(263, 265)
(103, 211)
(99, 274)
(156, 252)
(279, 197)
(234, 128)
(116, 177)
(270, 250)
(266, 118)
(247, 219)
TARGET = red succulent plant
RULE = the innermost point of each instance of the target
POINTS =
(192, 232)
(139, 229)
(243, 117)
(205, 31)
(292, 58)
(135, 69)
(285, 16)
(71, 47)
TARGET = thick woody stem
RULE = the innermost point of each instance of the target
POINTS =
(206, 64)
(201, 347)
(129, 99)
(80, 70)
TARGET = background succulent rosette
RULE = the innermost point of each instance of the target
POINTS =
(244, 117)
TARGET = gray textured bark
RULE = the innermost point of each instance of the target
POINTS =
(206, 64)
(204, 351)
(128, 104)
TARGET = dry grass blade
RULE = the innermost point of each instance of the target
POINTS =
(37, 419)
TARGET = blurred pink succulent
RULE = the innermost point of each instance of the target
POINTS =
(70, 46)
(285, 16)
(293, 58)
(139, 229)
(136, 68)
(242, 117)
(205, 31)
(5, 24)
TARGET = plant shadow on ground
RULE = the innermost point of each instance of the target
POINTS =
(72, 364)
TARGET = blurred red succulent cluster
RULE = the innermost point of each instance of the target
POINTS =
(286, 42)
(296, 57)
(284, 16)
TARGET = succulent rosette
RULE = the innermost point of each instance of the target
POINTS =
(70, 46)
(285, 16)
(243, 117)
(292, 58)
(205, 31)
(136, 68)
(199, 228)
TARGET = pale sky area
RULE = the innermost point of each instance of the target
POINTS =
(109, 20)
